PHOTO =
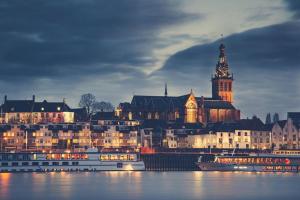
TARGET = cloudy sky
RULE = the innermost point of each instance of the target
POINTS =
(63, 48)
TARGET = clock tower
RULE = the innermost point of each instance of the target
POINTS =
(222, 80)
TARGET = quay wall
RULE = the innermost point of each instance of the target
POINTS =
(173, 161)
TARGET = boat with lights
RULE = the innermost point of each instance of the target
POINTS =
(252, 163)
(91, 160)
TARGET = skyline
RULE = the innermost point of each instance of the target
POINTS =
(123, 48)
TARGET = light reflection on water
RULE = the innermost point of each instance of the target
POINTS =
(149, 185)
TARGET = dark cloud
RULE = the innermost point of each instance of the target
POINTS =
(265, 63)
(294, 6)
(80, 37)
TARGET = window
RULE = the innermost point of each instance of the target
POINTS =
(4, 164)
(191, 113)
(119, 165)
(225, 86)
(25, 163)
(75, 163)
(294, 137)
(14, 164)
(220, 140)
(239, 133)
(55, 163)
(65, 163)
(246, 133)
(35, 163)
(45, 163)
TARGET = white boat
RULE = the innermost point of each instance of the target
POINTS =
(252, 163)
(87, 161)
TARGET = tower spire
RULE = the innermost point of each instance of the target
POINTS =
(222, 80)
(166, 90)
(222, 68)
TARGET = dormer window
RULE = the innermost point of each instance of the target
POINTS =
(42, 108)
(58, 108)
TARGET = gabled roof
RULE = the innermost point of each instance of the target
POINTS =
(18, 106)
(32, 106)
(218, 104)
(51, 107)
(254, 124)
(250, 124)
(281, 123)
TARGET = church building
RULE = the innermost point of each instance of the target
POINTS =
(188, 108)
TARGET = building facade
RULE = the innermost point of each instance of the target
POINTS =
(30, 111)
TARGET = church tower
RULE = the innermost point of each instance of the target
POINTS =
(222, 80)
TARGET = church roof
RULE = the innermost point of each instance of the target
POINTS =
(165, 103)
(158, 103)
(216, 103)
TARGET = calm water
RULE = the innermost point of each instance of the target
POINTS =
(149, 185)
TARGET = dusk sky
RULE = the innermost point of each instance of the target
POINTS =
(59, 49)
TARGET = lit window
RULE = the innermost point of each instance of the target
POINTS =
(42, 108)
(58, 108)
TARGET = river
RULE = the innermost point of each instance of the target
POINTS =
(149, 186)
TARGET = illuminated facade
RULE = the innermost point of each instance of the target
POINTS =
(30, 111)
(188, 108)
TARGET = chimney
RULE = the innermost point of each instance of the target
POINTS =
(5, 98)
(33, 98)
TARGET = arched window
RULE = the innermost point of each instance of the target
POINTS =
(191, 113)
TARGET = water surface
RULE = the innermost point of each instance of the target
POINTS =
(149, 185)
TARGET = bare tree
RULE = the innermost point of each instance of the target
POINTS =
(92, 106)
(103, 106)
(88, 101)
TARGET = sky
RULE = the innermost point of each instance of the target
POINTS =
(114, 49)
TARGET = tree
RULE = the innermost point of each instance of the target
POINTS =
(103, 106)
(275, 117)
(88, 101)
(268, 118)
(92, 106)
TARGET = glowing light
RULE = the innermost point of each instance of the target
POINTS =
(128, 167)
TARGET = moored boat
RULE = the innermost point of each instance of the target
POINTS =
(67, 161)
(252, 163)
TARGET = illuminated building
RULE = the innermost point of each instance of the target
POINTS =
(30, 111)
(286, 133)
(188, 108)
